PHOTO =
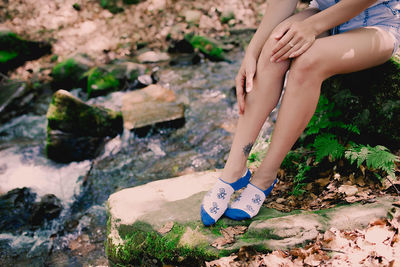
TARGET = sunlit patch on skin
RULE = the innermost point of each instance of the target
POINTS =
(349, 54)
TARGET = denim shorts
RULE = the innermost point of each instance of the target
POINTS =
(383, 14)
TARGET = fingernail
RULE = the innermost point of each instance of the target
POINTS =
(291, 56)
(271, 59)
(248, 89)
(278, 61)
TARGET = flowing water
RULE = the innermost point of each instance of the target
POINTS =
(77, 237)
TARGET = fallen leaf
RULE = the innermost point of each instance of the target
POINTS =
(348, 190)
(224, 262)
(166, 228)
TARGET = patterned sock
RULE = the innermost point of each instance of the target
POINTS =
(249, 202)
(216, 200)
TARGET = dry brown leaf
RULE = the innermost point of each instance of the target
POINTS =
(348, 190)
(229, 234)
(224, 262)
(166, 228)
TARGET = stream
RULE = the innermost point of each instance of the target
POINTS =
(77, 236)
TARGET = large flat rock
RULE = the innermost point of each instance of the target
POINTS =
(151, 106)
(137, 216)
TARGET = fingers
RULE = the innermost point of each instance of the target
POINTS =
(301, 50)
(240, 80)
(249, 81)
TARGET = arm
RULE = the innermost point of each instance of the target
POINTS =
(276, 12)
(299, 36)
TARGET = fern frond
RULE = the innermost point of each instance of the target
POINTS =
(327, 145)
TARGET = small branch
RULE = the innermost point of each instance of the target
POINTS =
(397, 190)
(331, 250)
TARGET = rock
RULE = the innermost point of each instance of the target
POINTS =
(151, 106)
(19, 211)
(369, 97)
(208, 47)
(68, 73)
(14, 50)
(126, 71)
(136, 214)
(15, 209)
(153, 57)
(75, 129)
(100, 82)
(47, 209)
(185, 59)
(180, 46)
(111, 5)
(192, 16)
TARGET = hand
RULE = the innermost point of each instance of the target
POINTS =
(294, 39)
(244, 79)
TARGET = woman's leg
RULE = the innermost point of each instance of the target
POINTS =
(259, 103)
(343, 53)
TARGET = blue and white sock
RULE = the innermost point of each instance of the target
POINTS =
(216, 200)
(249, 202)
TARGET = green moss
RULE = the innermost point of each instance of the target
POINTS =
(227, 17)
(68, 74)
(210, 48)
(7, 55)
(139, 245)
(100, 82)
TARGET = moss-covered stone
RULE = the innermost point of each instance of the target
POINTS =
(68, 74)
(137, 214)
(75, 129)
(14, 50)
(112, 5)
(208, 47)
(370, 99)
(100, 82)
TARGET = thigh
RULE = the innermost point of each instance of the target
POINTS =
(347, 52)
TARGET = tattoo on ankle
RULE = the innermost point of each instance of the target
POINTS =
(247, 149)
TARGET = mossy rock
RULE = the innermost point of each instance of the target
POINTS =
(137, 216)
(208, 47)
(370, 99)
(68, 74)
(111, 5)
(15, 51)
(100, 82)
(75, 129)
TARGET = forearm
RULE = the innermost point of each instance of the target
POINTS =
(276, 12)
(337, 14)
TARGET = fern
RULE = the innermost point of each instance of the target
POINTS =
(327, 145)
(377, 158)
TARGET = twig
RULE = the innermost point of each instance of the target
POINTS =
(331, 250)
(4, 76)
(397, 190)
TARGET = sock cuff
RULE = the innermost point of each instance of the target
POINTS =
(268, 190)
(241, 182)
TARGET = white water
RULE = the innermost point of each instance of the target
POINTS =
(43, 176)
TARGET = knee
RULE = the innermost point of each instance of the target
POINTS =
(307, 67)
(264, 65)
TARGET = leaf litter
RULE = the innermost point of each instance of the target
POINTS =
(377, 245)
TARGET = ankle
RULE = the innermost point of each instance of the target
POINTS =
(231, 176)
(263, 182)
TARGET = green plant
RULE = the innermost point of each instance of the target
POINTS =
(327, 138)
(378, 158)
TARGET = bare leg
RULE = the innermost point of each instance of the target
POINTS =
(259, 103)
(343, 53)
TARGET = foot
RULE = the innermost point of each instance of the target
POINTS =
(249, 202)
(216, 200)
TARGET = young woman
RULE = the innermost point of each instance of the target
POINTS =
(330, 37)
